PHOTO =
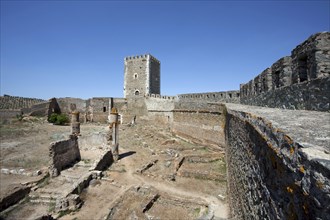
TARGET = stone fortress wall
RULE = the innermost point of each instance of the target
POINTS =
(199, 122)
(11, 106)
(299, 81)
(16, 102)
(278, 160)
(228, 96)
(278, 163)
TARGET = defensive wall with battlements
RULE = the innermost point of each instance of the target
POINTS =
(300, 81)
(228, 96)
(278, 154)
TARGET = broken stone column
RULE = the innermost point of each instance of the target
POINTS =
(114, 133)
(75, 124)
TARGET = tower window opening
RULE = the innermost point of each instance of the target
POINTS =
(277, 79)
(137, 92)
(302, 69)
(135, 75)
(104, 109)
(264, 84)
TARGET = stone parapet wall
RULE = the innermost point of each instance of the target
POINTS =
(63, 154)
(161, 104)
(158, 96)
(306, 68)
(276, 173)
(227, 96)
(309, 95)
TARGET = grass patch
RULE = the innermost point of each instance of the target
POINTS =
(44, 181)
(26, 163)
(57, 137)
(86, 161)
(64, 212)
(196, 212)
(51, 207)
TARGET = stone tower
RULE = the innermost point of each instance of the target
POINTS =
(142, 76)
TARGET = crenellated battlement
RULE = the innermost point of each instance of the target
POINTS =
(144, 56)
(227, 96)
(297, 75)
(141, 76)
(158, 96)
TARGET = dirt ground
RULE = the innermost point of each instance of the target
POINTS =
(158, 175)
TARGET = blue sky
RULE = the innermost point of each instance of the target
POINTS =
(77, 48)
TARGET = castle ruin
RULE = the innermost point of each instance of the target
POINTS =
(277, 153)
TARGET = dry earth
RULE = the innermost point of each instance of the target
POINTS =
(158, 175)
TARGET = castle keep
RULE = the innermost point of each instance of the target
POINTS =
(141, 76)
(274, 130)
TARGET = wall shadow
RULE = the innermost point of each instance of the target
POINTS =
(126, 154)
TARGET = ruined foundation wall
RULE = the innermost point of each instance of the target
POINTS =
(99, 108)
(270, 176)
(199, 122)
(40, 109)
(67, 105)
(63, 154)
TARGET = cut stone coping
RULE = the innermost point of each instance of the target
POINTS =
(309, 129)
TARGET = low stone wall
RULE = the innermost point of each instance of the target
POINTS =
(63, 154)
(201, 123)
(270, 174)
(8, 114)
(93, 141)
(104, 161)
(16, 195)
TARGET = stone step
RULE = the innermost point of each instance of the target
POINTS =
(45, 200)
